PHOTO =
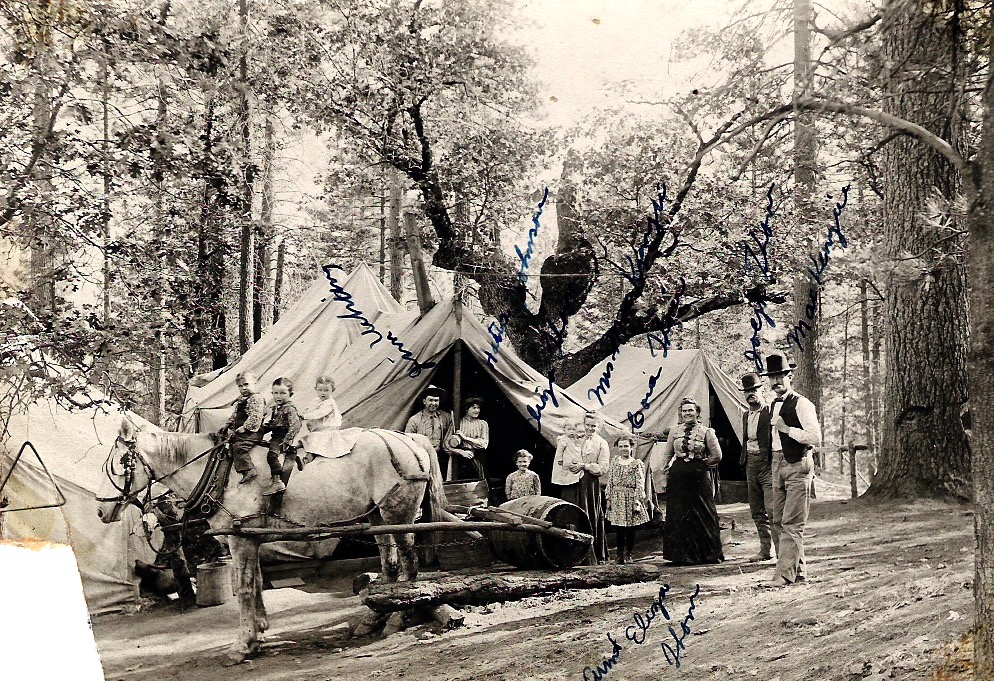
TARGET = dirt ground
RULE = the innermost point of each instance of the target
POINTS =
(888, 596)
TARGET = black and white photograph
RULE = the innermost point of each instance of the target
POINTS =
(496, 340)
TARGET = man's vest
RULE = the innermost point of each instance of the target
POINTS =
(764, 434)
(793, 451)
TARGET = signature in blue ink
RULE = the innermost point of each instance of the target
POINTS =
(498, 328)
(824, 256)
(532, 233)
(601, 670)
(638, 632)
(535, 411)
(604, 382)
(369, 328)
(638, 418)
(673, 655)
(557, 334)
(653, 227)
(761, 259)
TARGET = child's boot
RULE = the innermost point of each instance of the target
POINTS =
(276, 485)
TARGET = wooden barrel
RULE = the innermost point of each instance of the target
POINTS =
(530, 550)
(213, 584)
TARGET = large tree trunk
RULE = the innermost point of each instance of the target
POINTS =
(980, 265)
(924, 448)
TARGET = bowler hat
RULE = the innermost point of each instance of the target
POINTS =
(776, 363)
(433, 391)
(750, 380)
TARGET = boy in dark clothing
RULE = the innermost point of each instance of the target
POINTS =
(243, 426)
(284, 424)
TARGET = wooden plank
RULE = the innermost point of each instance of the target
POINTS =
(281, 534)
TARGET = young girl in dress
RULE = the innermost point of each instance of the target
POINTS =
(323, 420)
(626, 500)
(522, 482)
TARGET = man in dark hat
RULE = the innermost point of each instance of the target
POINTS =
(757, 459)
(795, 432)
(433, 423)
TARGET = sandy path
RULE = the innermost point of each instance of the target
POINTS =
(889, 592)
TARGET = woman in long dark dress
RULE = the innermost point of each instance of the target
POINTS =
(691, 533)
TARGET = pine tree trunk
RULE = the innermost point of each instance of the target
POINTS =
(263, 306)
(396, 238)
(806, 377)
(924, 449)
(246, 249)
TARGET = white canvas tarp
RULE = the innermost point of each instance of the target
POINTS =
(300, 346)
(73, 446)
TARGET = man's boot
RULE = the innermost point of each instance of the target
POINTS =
(248, 476)
(275, 485)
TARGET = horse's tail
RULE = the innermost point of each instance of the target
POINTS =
(435, 492)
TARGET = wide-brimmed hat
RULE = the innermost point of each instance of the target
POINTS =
(750, 380)
(433, 391)
(469, 401)
(777, 363)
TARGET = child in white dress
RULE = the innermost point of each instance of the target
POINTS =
(323, 421)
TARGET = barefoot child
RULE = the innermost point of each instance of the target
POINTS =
(323, 420)
(626, 496)
(522, 482)
(242, 429)
(283, 423)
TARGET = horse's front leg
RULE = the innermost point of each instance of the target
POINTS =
(389, 565)
(408, 556)
(245, 559)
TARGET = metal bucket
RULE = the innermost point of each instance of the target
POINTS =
(213, 584)
(527, 550)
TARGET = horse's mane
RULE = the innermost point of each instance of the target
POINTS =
(178, 448)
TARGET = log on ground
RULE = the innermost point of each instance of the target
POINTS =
(482, 589)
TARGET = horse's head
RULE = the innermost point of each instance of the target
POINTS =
(128, 475)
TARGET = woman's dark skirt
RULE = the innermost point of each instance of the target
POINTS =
(587, 495)
(691, 533)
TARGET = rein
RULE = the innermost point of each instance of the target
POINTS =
(129, 460)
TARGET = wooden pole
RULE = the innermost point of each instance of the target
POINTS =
(312, 533)
(852, 470)
(845, 375)
(278, 283)
(868, 402)
(425, 301)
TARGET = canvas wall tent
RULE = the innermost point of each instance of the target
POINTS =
(73, 446)
(376, 388)
(682, 373)
(300, 346)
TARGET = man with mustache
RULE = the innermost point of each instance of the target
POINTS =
(757, 459)
(795, 432)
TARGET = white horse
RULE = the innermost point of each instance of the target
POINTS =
(384, 479)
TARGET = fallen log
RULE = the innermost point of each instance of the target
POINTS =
(458, 590)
